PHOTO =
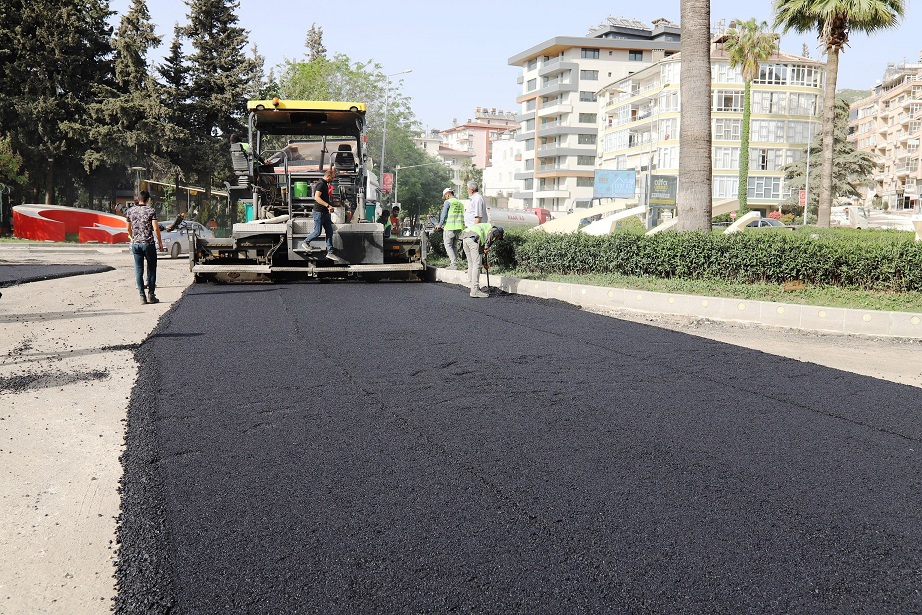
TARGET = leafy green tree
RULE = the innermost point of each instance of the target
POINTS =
(834, 21)
(694, 195)
(11, 170)
(852, 170)
(748, 44)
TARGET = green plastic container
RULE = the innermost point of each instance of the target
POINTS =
(249, 212)
(299, 190)
(370, 213)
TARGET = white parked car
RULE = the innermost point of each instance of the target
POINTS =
(176, 242)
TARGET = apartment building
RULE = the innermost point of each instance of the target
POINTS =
(477, 134)
(499, 179)
(888, 125)
(640, 118)
(559, 107)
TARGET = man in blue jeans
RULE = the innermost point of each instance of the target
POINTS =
(143, 228)
(323, 207)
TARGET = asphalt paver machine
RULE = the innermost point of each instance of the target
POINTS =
(290, 144)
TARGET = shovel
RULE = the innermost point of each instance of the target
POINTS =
(486, 267)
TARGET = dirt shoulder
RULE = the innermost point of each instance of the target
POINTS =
(66, 372)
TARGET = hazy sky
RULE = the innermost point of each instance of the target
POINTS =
(459, 52)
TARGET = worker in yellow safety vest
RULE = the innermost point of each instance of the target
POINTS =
(477, 239)
(452, 224)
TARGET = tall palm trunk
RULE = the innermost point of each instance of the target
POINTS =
(829, 114)
(694, 197)
(743, 191)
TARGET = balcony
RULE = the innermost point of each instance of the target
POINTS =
(555, 66)
(558, 109)
(552, 194)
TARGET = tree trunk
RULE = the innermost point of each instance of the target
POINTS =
(49, 184)
(694, 196)
(743, 190)
(824, 208)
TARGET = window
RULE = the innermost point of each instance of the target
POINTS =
(726, 129)
(530, 164)
(586, 139)
(585, 160)
(589, 54)
(531, 85)
(533, 64)
(772, 74)
(728, 100)
(588, 118)
(764, 188)
(725, 186)
(769, 102)
(809, 76)
(530, 184)
(766, 159)
(587, 97)
(635, 56)
(584, 182)
(726, 158)
(531, 104)
(767, 131)
(589, 75)
(530, 124)
(668, 158)
(530, 145)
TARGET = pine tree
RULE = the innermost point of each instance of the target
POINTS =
(173, 93)
(221, 76)
(314, 43)
(54, 52)
(125, 125)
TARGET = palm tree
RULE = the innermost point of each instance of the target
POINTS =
(834, 20)
(694, 197)
(748, 44)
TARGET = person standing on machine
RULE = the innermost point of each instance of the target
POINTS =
(323, 208)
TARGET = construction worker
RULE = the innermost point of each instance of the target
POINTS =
(477, 240)
(452, 224)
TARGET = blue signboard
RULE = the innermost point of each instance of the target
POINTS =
(614, 184)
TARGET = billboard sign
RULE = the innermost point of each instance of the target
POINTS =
(387, 183)
(663, 190)
(611, 184)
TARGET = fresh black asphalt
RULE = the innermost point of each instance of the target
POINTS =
(379, 448)
(11, 275)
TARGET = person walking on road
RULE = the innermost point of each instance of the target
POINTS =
(476, 210)
(143, 228)
(477, 240)
(452, 224)
(323, 207)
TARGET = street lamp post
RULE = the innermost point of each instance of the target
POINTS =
(387, 91)
(655, 126)
(807, 175)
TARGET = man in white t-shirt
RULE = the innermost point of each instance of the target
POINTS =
(476, 210)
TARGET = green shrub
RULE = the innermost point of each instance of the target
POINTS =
(885, 261)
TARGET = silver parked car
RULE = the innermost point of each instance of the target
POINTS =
(768, 223)
(176, 242)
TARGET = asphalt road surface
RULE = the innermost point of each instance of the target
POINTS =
(21, 274)
(404, 448)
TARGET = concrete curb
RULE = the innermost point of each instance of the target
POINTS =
(806, 317)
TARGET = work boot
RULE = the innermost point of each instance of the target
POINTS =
(478, 294)
(143, 299)
(152, 299)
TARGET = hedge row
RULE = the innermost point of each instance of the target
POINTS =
(755, 256)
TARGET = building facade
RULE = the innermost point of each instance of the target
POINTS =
(500, 185)
(640, 119)
(888, 125)
(559, 84)
(477, 135)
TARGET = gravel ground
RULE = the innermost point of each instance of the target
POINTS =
(504, 455)
(395, 432)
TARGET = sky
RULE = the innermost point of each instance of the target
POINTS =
(459, 53)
